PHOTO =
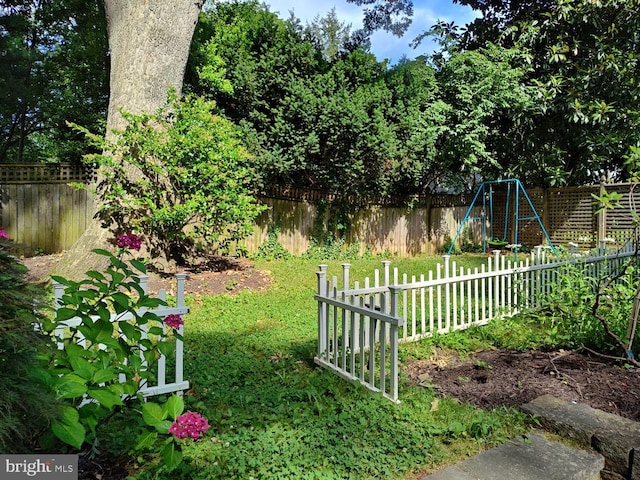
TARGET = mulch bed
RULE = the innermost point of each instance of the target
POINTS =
(496, 378)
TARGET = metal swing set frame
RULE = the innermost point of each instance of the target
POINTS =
(488, 198)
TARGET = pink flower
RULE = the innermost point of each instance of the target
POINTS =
(130, 240)
(190, 424)
(174, 321)
(4, 234)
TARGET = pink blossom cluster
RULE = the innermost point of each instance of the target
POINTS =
(4, 234)
(190, 424)
(130, 240)
(174, 321)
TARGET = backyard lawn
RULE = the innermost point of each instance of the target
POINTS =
(249, 359)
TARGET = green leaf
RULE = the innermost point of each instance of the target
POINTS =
(150, 302)
(140, 266)
(96, 275)
(166, 348)
(174, 406)
(68, 428)
(104, 313)
(104, 331)
(81, 366)
(121, 299)
(106, 398)
(153, 414)
(65, 313)
(101, 251)
(111, 343)
(104, 375)
(156, 331)
(146, 439)
(129, 331)
(172, 455)
(71, 386)
(135, 362)
(61, 280)
(163, 426)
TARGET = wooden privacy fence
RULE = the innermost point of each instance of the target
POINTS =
(360, 326)
(423, 224)
(40, 209)
(165, 368)
(42, 212)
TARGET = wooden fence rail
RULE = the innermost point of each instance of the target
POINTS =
(355, 323)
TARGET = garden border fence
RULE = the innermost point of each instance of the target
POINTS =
(178, 383)
(354, 319)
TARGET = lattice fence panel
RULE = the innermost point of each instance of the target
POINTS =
(15, 173)
(571, 216)
(619, 221)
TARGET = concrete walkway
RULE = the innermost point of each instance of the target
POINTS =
(607, 446)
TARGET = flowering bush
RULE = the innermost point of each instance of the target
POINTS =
(101, 376)
(174, 321)
(194, 191)
(130, 240)
(191, 425)
(4, 235)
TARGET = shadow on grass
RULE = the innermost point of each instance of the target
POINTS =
(274, 415)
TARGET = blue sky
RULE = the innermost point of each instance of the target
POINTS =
(384, 45)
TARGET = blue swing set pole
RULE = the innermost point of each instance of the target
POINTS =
(506, 215)
(491, 211)
(515, 237)
(466, 216)
(484, 222)
(537, 217)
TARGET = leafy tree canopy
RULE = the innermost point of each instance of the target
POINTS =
(55, 71)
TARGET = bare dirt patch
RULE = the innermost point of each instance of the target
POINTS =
(497, 378)
(218, 275)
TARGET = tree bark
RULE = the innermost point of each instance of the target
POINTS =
(149, 44)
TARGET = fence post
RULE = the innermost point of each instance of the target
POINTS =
(496, 284)
(58, 291)
(395, 291)
(144, 283)
(447, 293)
(180, 279)
(322, 318)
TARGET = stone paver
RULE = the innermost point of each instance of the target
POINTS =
(615, 437)
(531, 458)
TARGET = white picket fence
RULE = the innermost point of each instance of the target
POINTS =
(162, 384)
(353, 320)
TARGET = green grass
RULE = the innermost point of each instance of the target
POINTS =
(249, 359)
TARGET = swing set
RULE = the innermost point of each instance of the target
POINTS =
(486, 192)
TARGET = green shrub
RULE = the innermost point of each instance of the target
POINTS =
(179, 177)
(568, 319)
(26, 408)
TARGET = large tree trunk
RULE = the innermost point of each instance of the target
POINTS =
(149, 45)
